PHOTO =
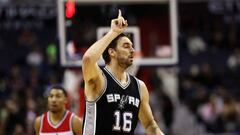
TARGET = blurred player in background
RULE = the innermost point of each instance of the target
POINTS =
(115, 100)
(58, 120)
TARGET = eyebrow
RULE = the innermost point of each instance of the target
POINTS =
(127, 43)
(56, 94)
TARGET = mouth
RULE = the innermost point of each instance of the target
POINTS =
(131, 57)
(53, 106)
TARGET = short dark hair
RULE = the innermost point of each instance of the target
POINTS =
(113, 45)
(58, 87)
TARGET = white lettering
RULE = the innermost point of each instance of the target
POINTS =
(110, 98)
(117, 97)
(131, 100)
(137, 102)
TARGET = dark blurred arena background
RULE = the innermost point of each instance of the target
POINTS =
(199, 95)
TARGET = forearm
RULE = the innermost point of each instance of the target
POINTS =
(153, 129)
(97, 49)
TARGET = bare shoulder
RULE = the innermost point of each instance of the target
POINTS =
(37, 124)
(77, 120)
(38, 120)
(143, 89)
(142, 84)
(77, 125)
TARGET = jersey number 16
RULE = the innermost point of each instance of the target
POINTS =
(127, 121)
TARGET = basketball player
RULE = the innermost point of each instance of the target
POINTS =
(58, 120)
(115, 100)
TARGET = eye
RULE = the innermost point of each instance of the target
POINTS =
(50, 96)
(126, 45)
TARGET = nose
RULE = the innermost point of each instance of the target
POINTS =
(53, 99)
(132, 50)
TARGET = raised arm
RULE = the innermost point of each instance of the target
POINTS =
(145, 113)
(91, 73)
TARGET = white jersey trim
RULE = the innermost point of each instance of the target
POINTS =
(71, 121)
(116, 80)
(139, 87)
(41, 123)
(59, 123)
(90, 119)
(59, 133)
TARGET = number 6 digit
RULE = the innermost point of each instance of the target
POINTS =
(127, 121)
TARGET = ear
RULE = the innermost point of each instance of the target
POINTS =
(66, 100)
(111, 52)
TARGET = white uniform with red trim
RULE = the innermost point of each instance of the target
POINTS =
(64, 127)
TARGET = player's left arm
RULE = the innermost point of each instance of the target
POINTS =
(77, 125)
(145, 113)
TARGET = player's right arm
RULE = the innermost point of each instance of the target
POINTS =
(37, 125)
(77, 125)
(92, 74)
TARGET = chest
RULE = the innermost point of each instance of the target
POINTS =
(64, 126)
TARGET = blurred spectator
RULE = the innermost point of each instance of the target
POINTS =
(228, 120)
(35, 57)
(210, 110)
(218, 36)
(31, 115)
(18, 130)
(161, 103)
(195, 44)
(27, 38)
(169, 80)
(206, 76)
(15, 121)
(207, 38)
(234, 60)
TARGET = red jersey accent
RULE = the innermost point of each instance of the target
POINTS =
(64, 126)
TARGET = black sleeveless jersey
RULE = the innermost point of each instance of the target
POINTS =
(115, 112)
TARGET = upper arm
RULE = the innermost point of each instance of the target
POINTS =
(93, 78)
(90, 69)
(77, 125)
(37, 125)
(145, 112)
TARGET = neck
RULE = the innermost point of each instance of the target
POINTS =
(117, 71)
(57, 116)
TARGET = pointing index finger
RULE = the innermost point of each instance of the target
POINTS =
(119, 13)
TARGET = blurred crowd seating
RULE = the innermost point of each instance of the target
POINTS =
(208, 73)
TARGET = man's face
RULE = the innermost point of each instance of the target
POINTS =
(124, 52)
(56, 100)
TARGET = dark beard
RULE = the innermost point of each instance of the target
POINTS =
(124, 63)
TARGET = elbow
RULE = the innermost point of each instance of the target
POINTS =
(86, 59)
(150, 125)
